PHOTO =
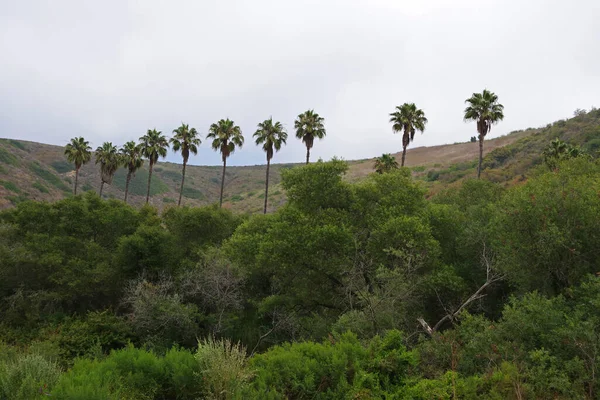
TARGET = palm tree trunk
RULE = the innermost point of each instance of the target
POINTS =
(403, 155)
(149, 180)
(480, 156)
(127, 185)
(182, 181)
(76, 177)
(222, 182)
(307, 154)
(267, 184)
(101, 188)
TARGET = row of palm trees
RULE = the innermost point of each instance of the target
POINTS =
(483, 108)
(226, 137)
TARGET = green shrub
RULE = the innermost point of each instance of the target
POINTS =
(236, 198)
(172, 175)
(133, 373)
(86, 187)
(223, 368)
(10, 186)
(27, 377)
(40, 187)
(168, 200)
(7, 158)
(62, 166)
(48, 176)
(18, 145)
(139, 182)
(338, 368)
(192, 193)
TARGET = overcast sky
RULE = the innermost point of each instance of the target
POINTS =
(109, 70)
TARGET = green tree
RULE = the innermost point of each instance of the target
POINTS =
(108, 157)
(225, 135)
(153, 144)
(78, 152)
(407, 118)
(485, 110)
(185, 139)
(272, 136)
(131, 155)
(309, 125)
(385, 163)
(558, 150)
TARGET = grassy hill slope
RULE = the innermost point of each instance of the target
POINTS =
(36, 171)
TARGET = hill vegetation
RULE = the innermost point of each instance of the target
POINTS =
(409, 283)
(40, 172)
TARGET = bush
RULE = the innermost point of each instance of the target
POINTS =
(337, 368)
(62, 166)
(133, 373)
(223, 369)
(27, 377)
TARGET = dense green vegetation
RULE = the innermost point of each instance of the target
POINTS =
(350, 290)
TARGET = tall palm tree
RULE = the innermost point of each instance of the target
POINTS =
(153, 144)
(272, 136)
(385, 163)
(109, 159)
(309, 125)
(407, 119)
(131, 156)
(225, 135)
(78, 152)
(485, 110)
(185, 139)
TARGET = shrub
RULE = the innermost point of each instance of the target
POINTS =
(62, 166)
(27, 377)
(10, 186)
(223, 368)
(40, 187)
(133, 373)
(7, 158)
(48, 176)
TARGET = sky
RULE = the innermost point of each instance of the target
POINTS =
(110, 70)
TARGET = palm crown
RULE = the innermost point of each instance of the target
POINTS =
(78, 152)
(108, 157)
(153, 145)
(408, 119)
(385, 163)
(131, 156)
(309, 125)
(225, 137)
(484, 109)
(271, 135)
(185, 139)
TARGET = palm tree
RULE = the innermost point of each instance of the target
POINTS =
(153, 145)
(484, 109)
(185, 139)
(78, 152)
(407, 119)
(271, 136)
(309, 125)
(109, 159)
(558, 150)
(131, 156)
(225, 135)
(385, 163)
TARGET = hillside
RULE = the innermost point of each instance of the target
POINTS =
(30, 170)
